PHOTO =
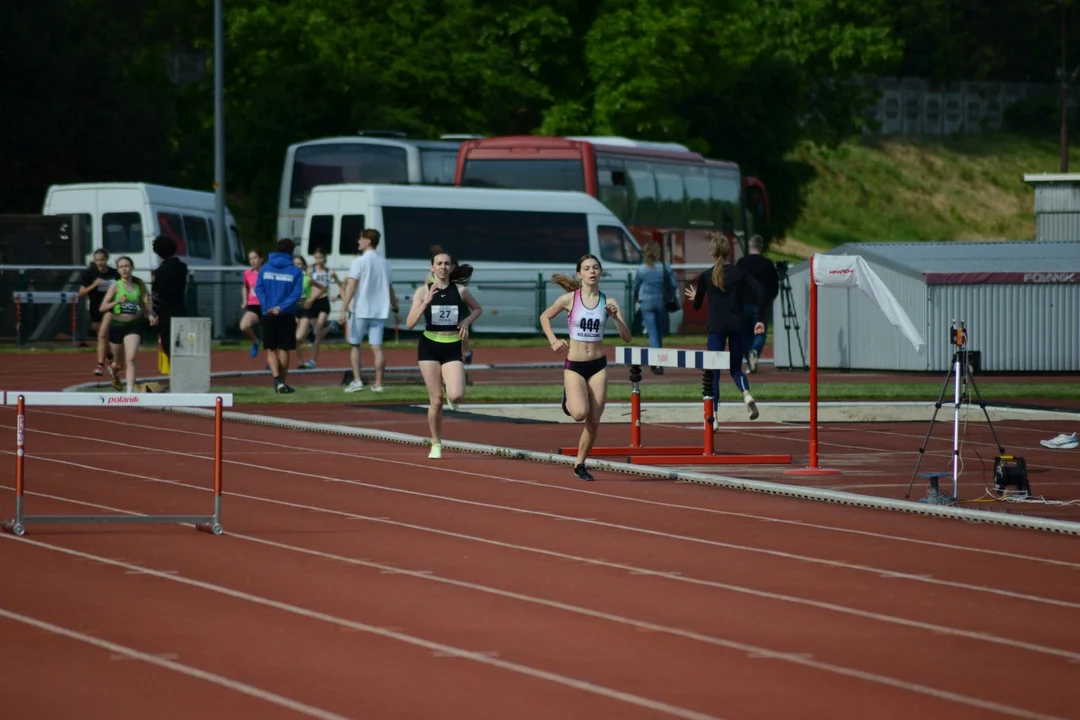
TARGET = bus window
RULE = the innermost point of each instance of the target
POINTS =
(616, 245)
(349, 235)
(726, 209)
(698, 197)
(437, 166)
(171, 226)
(642, 192)
(198, 238)
(525, 174)
(611, 186)
(321, 234)
(669, 190)
(332, 164)
(487, 235)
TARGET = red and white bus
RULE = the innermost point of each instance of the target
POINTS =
(660, 191)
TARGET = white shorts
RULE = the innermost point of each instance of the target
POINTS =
(372, 327)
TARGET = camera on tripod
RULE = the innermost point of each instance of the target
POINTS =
(958, 336)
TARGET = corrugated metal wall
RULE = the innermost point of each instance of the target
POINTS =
(1057, 212)
(1030, 328)
(852, 330)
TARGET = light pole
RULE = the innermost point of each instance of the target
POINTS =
(221, 237)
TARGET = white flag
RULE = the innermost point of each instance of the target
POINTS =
(853, 271)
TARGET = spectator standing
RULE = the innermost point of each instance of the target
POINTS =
(278, 289)
(763, 270)
(654, 289)
(369, 300)
(169, 289)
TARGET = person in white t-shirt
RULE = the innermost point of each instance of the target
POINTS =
(369, 300)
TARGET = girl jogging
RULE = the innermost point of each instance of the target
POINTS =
(128, 300)
(728, 288)
(311, 293)
(585, 369)
(250, 303)
(449, 309)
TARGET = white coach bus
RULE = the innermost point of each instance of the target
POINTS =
(368, 157)
(515, 240)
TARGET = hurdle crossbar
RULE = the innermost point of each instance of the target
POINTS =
(45, 298)
(707, 361)
(22, 400)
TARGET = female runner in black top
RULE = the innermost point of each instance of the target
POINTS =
(449, 309)
(727, 287)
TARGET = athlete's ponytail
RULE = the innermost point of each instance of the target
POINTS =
(570, 284)
(461, 274)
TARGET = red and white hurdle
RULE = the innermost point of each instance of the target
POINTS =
(636, 453)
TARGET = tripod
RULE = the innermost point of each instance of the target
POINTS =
(787, 310)
(961, 375)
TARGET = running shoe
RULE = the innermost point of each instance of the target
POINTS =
(751, 406)
(582, 473)
(468, 358)
(436, 451)
(309, 365)
(355, 386)
(752, 362)
(254, 350)
(100, 370)
(117, 385)
(449, 403)
(377, 388)
(1061, 442)
(283, 389)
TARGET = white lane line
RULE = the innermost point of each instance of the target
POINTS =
(164, 661)
(561, 488)
(448, 650)
(633, 570)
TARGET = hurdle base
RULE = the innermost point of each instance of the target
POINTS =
(196, 520)
(700, 459)
(13, 527)
(632, 451)
(812, 471)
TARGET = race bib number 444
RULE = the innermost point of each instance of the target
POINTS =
(444, 315)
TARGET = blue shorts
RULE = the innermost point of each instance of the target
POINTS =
(372, 327)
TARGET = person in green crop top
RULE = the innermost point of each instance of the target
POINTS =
(128, 302)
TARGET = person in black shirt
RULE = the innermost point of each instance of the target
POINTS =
(94, 283)
(170, 284)
(764, 271)
(728, 288)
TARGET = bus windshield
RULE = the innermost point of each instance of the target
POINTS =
(525, 174)
(332, 164)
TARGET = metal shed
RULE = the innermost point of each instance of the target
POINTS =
(1020, 300)
(1057, 207)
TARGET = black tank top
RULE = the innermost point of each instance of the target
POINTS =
(446, 310)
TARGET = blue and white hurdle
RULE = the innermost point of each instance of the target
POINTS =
(44, 298)
(708, 361)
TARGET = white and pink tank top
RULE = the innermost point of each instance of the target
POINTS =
(251, 276)
(587, 324)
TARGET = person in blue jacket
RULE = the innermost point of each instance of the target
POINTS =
(278, 288)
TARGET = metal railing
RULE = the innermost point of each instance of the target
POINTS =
(513, 298)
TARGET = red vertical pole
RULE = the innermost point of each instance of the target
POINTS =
(635, 419)
(218, 433)
(708, 409)
(813, 370)
(20, 448)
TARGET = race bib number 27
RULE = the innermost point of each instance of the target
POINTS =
(444, 315)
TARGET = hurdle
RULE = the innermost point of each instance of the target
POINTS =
(45, 298)
(636, 453)
(22, 400)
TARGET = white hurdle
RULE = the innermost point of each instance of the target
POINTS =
(45, 298)
(707, 361)
(22, 400)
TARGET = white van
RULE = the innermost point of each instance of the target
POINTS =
(124, 218)
(515, 240)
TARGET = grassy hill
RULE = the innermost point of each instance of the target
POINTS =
(878, 189)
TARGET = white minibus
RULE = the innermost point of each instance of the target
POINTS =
(515, 240)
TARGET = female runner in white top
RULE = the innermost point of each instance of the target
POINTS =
(585, 369)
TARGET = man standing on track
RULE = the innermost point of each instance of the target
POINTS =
(369, 300)
(763, 270)
(278, 288)
(169, 286)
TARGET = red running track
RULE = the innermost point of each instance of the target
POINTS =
(358, 579)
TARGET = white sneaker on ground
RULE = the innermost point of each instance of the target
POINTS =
(1061, 442)
(751, 406)
(436, 451)
(377, 388)
(355, 386)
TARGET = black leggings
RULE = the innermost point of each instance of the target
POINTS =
(736, 345)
